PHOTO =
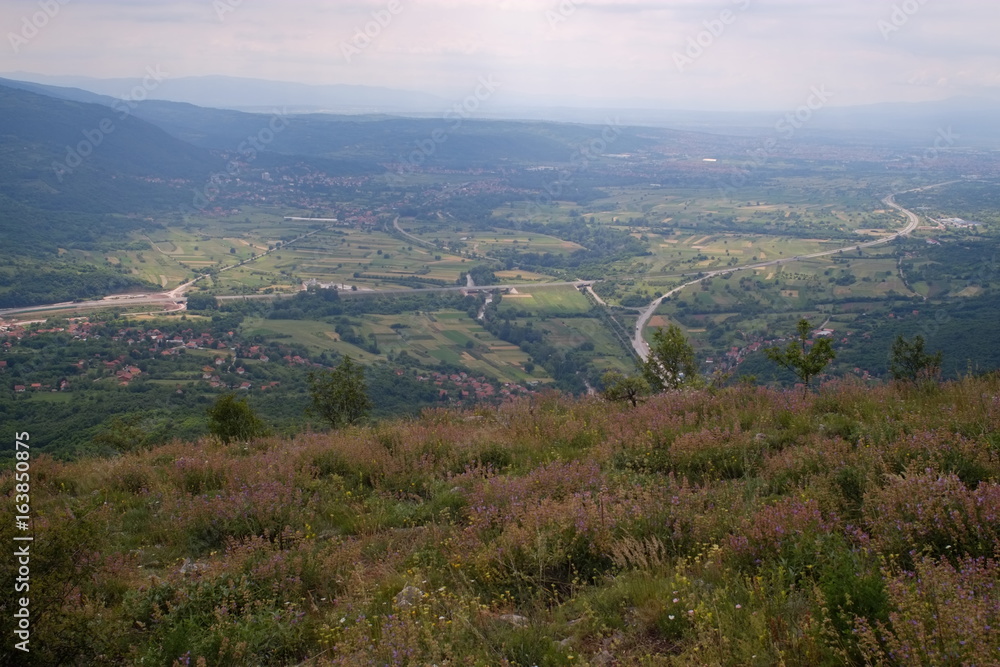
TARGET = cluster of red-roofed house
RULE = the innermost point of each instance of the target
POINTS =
(466, 387)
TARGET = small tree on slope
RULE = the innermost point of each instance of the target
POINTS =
(620, 388)
(805, 361)
(340, 396)
(231, 419)
(671, 363)
(910, 363)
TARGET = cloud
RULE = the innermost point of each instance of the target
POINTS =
(607, 51)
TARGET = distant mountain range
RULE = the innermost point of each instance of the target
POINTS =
(357, 144)
(971, 120)
(48, 128)
(257, 95)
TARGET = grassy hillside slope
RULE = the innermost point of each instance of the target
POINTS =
(748, 526)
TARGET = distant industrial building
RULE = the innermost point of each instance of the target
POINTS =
(958, 222)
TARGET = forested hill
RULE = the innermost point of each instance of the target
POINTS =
(360, 143)
(79, 176)
(58, 154)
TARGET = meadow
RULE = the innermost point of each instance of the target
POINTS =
(335, 253)
(367, 259)
(745, 526)
(180, 251)
(443, 336)
(546, 300)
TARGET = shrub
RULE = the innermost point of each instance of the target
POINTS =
(835, 528)
(791, 531)
(942, 614)
(232, 420)
(936, 514)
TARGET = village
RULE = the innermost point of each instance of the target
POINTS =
(220, 360)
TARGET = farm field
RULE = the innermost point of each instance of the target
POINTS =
(456, 235)
(149, 265)
(683, 252)
(431, 338)
(333, 255)
(452, 337)
(315, 336)
(366, 259)
(550, 301)
(800, 204)
(637, 242)
(519, 276)
(581, 332)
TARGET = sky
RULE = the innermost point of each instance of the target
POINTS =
(679, 54)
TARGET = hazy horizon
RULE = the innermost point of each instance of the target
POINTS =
(739, 55)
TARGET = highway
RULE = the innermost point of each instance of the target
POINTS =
(913, 221)
(174, 300)
(164, 301)
(169, 301)
(423, 290)
(411, 237)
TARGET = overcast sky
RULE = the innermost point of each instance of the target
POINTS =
(764, 54)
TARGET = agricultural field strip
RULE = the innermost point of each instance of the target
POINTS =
(639, 343)
(371, 292)
(117, 300)
(642, 347)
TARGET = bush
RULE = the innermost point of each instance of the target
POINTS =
(934, 513)
(942, 614)
(232, 420)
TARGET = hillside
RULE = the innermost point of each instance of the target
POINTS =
(745, 526)
(359, 143)
(463, 140)
(39, 131)
(53, 199)
(225, 92)
(970, 117)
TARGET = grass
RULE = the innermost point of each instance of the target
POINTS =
(520, 276)
(431, 338)
(548, 300)
(739, 527)
(338, 254)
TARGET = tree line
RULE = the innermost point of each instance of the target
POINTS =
(671, 363)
